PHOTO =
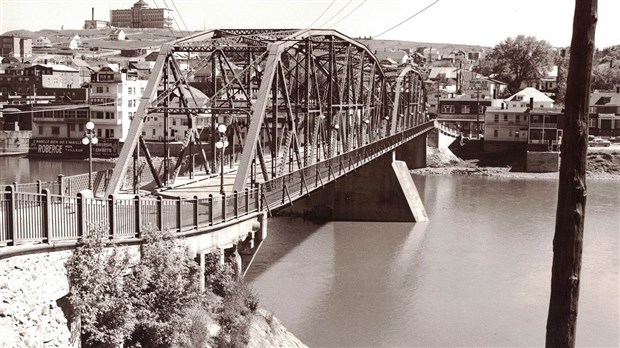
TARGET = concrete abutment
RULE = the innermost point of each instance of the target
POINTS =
(382, 190)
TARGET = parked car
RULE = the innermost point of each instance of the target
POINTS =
(599, 142)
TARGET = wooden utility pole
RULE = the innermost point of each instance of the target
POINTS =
(570, 214)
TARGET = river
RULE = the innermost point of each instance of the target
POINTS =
(26, 170)
(477, 274)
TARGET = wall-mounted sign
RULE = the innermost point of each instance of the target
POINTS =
(72, 148)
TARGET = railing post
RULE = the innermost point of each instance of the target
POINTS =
(283, 193)
(47, 223)
(61, 185)
(223, 207)
(196, 213)
(236, 203)
(112, 215)
(257, 197)
(247, 201)
(160, 213)
(80, 214)
(10, 215)
(179, 214)
(210, 209)
(138, 215)
(39, 187)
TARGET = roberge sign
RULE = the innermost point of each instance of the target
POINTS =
(72, 148)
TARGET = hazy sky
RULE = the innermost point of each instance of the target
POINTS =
(483, 22)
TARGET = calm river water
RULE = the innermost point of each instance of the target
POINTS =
(24, 170)
(478, 274)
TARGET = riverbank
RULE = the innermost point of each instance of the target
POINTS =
(602, 164)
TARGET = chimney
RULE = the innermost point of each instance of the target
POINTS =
(531, 103)
(502, 106)
(92, 16)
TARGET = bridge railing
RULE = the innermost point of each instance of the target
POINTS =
(285, 189)
(49, 218)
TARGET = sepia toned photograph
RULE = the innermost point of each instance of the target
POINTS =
(309, 173)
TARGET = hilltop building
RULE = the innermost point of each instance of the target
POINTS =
(141, 16)
(93, 23)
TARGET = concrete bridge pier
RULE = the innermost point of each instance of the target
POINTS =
(413, 152)
(382, 190)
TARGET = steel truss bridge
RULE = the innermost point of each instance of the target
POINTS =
(289, 98)
(302, 108)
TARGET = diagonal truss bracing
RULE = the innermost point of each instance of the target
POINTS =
(289, 98)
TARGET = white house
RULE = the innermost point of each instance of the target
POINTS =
(42, 41)
(117, 35)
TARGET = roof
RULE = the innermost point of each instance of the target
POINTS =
(605, 98)
(530, 92)
(448, 72)
(397, 56)
(141, 65)
(57, 67)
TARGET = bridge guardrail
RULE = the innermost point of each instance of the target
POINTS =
(49, 218)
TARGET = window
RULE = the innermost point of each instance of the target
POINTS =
(517, 117)
(72, 127)
(465, 109)
(55, 130)
(525, 118)
(447, 109)
(505, 117)
(99, 132)
(495, 133)
(496, 118)
(153, 131)
(99, 89)
(40, 130)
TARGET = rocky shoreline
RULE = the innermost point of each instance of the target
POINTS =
(601, 166)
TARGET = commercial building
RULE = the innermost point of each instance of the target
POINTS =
(114, 99)
(141, 16)
(604, 118)
(14, 46)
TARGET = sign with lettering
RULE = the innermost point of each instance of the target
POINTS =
(72, 148)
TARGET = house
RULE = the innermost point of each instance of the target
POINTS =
(478, 86)
(507, 127)
(42, 42)
(431, 54)
(83, 67)
(117, 35)
(73, 44)
(55, 75)
(398, 57)
(464, 114)
(457, 55)
(604, 113)
(133, 52)
(546, 82)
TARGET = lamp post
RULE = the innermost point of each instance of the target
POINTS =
(90, 139)
(222, 144)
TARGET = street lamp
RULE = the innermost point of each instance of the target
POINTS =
(90, 139)
(222, 144)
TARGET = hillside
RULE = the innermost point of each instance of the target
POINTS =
(443, 48)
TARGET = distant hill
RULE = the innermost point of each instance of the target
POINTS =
(147, 37)
(443, 48)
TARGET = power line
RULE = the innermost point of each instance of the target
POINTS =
(319, 17)
(332, 17)
(415, 14)
(180, 16)
(348, 14)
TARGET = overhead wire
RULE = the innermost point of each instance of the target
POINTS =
(348, 14)
(321, 15)
(337, 13)
(180, 16)
(409, 18)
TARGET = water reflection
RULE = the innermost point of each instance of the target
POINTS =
(477, 274)
(25, 170)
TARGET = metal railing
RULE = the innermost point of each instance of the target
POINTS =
(49, 218)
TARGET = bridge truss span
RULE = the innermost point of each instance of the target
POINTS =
(290, 99)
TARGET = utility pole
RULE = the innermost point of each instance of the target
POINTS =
(570, 214)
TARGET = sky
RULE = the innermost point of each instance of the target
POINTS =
(475, 22)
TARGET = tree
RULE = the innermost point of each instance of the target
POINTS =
(571, 206)
(521, 58)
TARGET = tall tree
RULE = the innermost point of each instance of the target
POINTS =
(521, 58)
(570, 214)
